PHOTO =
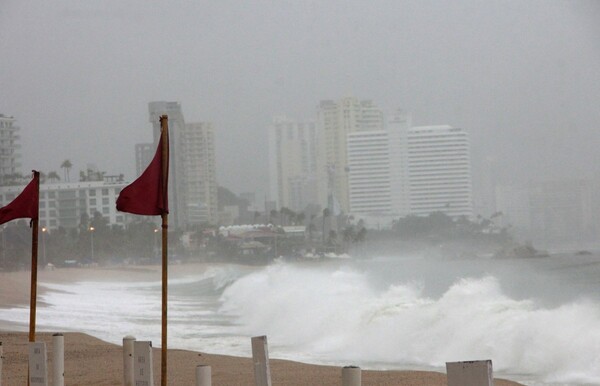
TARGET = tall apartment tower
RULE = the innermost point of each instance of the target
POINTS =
(439, 171)
(9, 149)
(200, 173)
(369, 181)
(144, 152)
(292, 163)
(177, 199)
(335, 120)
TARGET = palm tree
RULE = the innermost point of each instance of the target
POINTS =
(66, 166)
(53, 176)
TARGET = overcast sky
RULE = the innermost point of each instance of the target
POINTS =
(523, 77)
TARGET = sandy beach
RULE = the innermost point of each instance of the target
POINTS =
(90, 361)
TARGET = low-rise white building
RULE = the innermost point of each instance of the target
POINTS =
(64, 205)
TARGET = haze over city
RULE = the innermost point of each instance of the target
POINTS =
(520, 77)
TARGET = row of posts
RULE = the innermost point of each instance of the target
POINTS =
(137, 366)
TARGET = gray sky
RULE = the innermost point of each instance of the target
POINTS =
(523, 77)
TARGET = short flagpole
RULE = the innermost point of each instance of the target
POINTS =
(34, 263)
(164, 126)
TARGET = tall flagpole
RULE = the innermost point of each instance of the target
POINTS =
(164, 128)
(34, 263)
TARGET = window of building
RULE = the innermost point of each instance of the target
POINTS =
(105, 192)
(92, 192)
(105, 210)
(105, 201)
(92, 201)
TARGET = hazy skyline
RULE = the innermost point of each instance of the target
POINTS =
(521, 77)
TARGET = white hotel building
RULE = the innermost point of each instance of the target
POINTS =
(439, 171)
(369, 181)
(64, 205)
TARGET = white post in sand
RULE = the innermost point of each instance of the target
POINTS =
(38, 372)
(260, 357)
(203, 375)
(470, 373)
(128, 360)
(142, 366)
(58, 360)
(351, 376)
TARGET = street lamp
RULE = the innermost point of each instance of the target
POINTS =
(92, 241)
(44, 230)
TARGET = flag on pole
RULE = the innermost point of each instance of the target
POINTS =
(26, 205)
(147, 196)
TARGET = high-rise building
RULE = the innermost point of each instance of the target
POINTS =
(9, 149)
(397, 129)
(439, 171)
(335, 120)
(177, 200)
(200, 173)
(192, 170)
(369, 180)
(292, 163)
(144, 152)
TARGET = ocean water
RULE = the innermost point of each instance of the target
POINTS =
(537, 319)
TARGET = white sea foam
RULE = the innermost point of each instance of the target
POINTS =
(338, 315)
(331, 314)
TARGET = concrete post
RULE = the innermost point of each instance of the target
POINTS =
(142, 366)
(203, 375)
(38, 371)
(351, 376)
(128, 360)
(58, 360)
(260, 357)
(470, 373)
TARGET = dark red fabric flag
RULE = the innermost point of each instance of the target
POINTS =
(146, 195)
(26, 205)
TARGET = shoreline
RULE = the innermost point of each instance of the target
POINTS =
(89, 360)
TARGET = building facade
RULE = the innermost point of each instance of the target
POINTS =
(292, 163)
(335, 120)
(200, 173)
(10, 154)
(369, 179)
(66, 205)
(439, 171)
(192, 166)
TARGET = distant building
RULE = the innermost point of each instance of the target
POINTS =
(10, 154)
(192, 169)
(369, 179)
(65, 205)
(439, 171)
(177, 200)
(144, 152)
(335, 120)
(200, 173)
(292, 163)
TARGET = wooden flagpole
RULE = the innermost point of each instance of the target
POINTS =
(164, 127)
(34, 264)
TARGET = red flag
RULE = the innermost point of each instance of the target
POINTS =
(147, 195)
(26, 205)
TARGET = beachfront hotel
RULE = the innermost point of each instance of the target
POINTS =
(64, 204)
(439, 171)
